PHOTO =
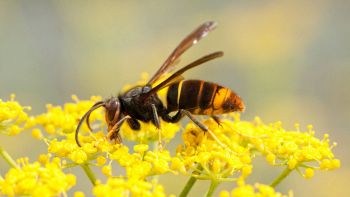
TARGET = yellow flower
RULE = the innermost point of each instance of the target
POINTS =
(140, 164)
(44, 158)
(271, 158)
(217, 161)
(294, 148)
(58, 121)
(309, 173)
(149, 132)
(79, 194)
(159, 161)
(36, 133)
(178, 165)
(258, 190)
(78, 156)
(140, 148)
(107, 170)
(224, 153)
(129, 187)
(12, 116)
(35, 179)
(101, 160)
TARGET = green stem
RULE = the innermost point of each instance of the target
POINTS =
(8, 158)
(69, 165)
(188, 187)
(281, 177)
(213, 185)
(89, 173)
(191, 182)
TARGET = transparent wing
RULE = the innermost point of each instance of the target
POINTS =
(185, 44)
(177, 75)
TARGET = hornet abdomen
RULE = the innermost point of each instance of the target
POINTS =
(202, 98)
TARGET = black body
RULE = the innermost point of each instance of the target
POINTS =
(133, 104)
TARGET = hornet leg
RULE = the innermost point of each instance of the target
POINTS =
(134, 124)
(156, 122)
(180, 114)
(205, 128)
(195, 121)
(155, 119)
(113, 134)
(216, 119)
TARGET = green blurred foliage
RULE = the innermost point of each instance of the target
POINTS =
(289, 60)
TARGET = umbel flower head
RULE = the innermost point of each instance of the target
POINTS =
(131, 187)
(224, 153)
(62, 121)
(13, 117)
(243, 141)
(217, 161)
(258, 190)
(36, 179)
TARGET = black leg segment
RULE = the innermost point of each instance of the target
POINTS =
(199, 124)
(216, 119)
(114, 132)
(155, 119)
(134, 124)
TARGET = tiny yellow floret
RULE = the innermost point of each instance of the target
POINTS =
(309, 173)
(79, 194)
(101, 160)
(36, 133)
(140, 148)
(107, 170)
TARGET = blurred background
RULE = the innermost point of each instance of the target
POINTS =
(289, 61)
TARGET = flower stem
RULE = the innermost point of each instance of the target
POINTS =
(89, 173)
(188, 187)
(190, 182)
(69, 165)
(8, 158)
(281, 177)
(213, 186)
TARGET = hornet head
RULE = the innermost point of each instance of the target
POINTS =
(112, 114)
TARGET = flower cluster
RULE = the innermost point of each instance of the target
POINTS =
(142, 163)
(43, 178)
(13, 117)
(224, 153)
(258, 190)
(291, 148)
(132, 187)
(149, 132)
(62, 121)
(217, 160)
